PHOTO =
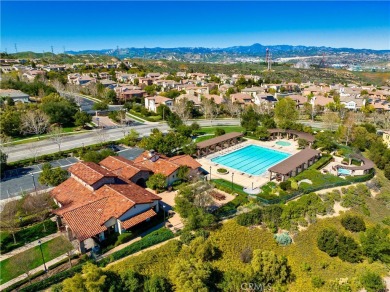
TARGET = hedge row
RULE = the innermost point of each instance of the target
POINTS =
(153, 238)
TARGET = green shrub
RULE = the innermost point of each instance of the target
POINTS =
(219, 132)
(283, 238)
(123, 238)
(317, 282)
(222, 170)
(353, 223)
(285, 185)
(253, 217)
(186, 237)
(372, 282)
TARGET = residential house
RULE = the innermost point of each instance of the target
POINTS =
(6, 69)
(16, 95)
(152, 102)
(31, 74)
(146, 81)
(108, 83)
(153, 75)
(241, 98)
(104, 75)
(169, 167)
(94, 202)
(126, 93)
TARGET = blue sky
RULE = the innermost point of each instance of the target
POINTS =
(100, 25)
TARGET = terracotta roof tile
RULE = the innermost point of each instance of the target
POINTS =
(84, 221)
(186, 160)
(122, 166)
(138, 219)
(89, 172)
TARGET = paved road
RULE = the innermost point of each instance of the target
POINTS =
(23, 151)
(18, 181)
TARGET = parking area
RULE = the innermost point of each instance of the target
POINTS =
(131, 153)
(25, 179)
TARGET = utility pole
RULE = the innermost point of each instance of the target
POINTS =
(52, 51)
(16, 48)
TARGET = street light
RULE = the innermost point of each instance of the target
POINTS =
(43, 259)
(35, 187)
(210, 172)
(97, 119)
(232, 180)
(164, 212)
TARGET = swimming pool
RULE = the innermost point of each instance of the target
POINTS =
(343, 171)
(252, 159)
(283, 143)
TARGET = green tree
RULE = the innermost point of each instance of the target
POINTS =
(52, 176)
(157, 284)
(10, 121)
(249, 119)
(327, 241)
(325, 140)
(97, 156)
(219, 131)
(3, 162)
(157, 181)
(286, 112)
(131, 281)
(372, 282)
(100, 106)
(376, 243)
(268, 268)
(353, 223)
(190, 275)
(348, 249)
(302, 143)
(59, 109)
(262, 133)
(131, 139)
(183, 172)
(174, 121)
(81, 119)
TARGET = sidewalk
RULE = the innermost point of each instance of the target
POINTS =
(28, 246)
(33, 271)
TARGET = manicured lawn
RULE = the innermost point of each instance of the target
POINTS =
(51, 249)
(211, 130)
(25, 235)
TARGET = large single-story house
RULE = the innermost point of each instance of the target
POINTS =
(95, 202)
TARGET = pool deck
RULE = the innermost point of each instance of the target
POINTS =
(241, 178)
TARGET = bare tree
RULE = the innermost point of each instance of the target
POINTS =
(39, 204)
(386, 120)
(56, 134)
(122, 122)
(182, 109)
(22, 263)
(65, 244)
(35, 122)
(57, 84)
(348, 125)
(9, 211)
(233, 109)
(208, 108)
(360, 117)
(202, 195)
(331, 119)
(101, 135)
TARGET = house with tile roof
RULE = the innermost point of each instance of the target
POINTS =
(153, 102)
(96, 201)
(169, 167)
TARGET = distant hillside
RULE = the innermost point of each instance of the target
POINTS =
(202, 54)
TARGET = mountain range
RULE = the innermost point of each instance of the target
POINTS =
(220, 54)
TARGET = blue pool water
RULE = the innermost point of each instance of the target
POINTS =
(251, 159)
(343, 171)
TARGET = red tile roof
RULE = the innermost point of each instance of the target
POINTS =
(135, 193)
(71, 194)
(89, 172)
(122, 166)
(138, 219)
(160, 165)
(185, 160)
(84, 221)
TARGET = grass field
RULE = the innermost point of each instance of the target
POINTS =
(10, 269)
